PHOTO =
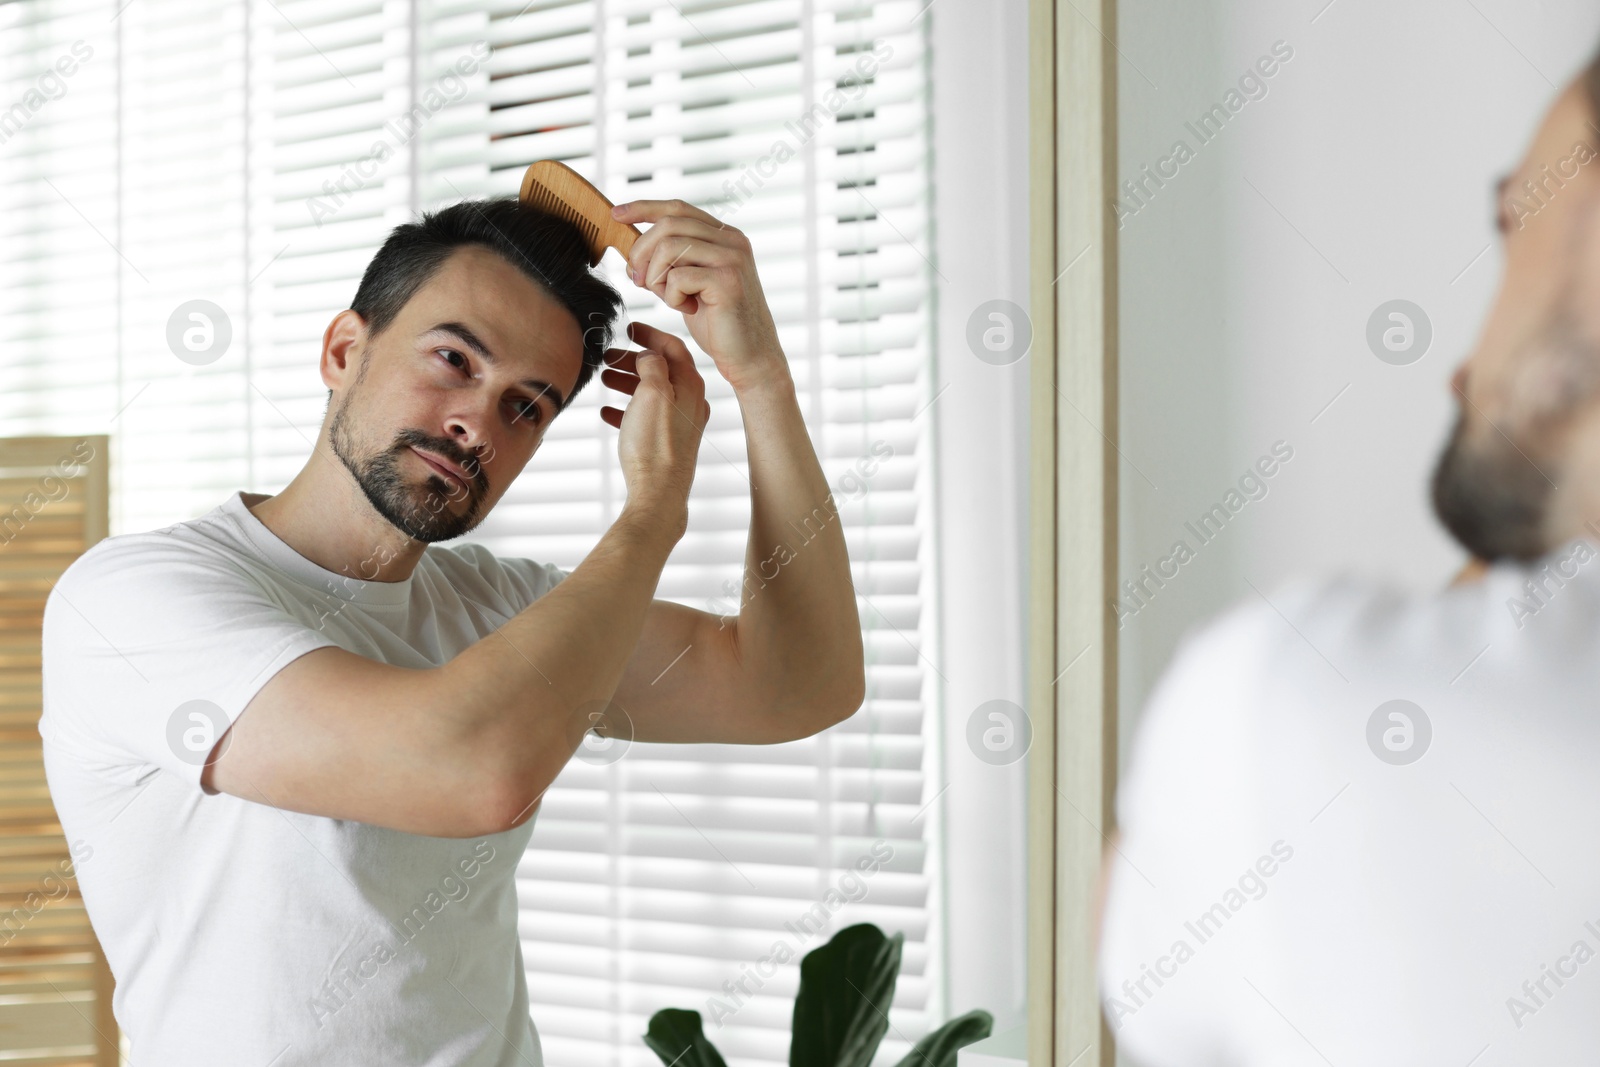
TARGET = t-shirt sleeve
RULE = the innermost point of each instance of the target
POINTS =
(152, 646)
(521, 581)
(1186, 832)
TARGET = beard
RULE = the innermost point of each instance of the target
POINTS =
(1490, 488)
(421, 512)
(1491, 497)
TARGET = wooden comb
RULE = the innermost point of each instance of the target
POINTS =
(558, 189)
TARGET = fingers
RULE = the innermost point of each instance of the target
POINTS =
(651, 367)
(674, 258)
(680, 241)
(688, 241)
(670, 344)
(622, 383)
(688, 306)
(613, 416)
(653, 261)
(609, 377)
(666, 362)
(656, 210)
(679, 360)
(647, 337)
(681, 286)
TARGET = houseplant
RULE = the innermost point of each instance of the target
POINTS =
(840, 1013)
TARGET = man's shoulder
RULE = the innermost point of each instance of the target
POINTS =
(517, 577)
(137, 573)
(1258, 618)
(1331, 604)
(1334, 596)
(1299, 632)
(199, 541)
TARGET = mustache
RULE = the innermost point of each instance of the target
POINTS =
(447, 448)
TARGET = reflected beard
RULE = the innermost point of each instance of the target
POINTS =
(1492, 499)
(421, 512)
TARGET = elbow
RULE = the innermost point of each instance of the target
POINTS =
(832, 695)
(853, 693)
(848, 692)
(509, 765)
(506, 808)
(474, 811)
(854, 675)
(511, 787)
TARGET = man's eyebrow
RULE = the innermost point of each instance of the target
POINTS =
(474, 342)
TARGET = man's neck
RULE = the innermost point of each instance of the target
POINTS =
(1474, 571)
(323, 515)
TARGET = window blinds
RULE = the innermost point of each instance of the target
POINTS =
(676, 873)
(253, 156)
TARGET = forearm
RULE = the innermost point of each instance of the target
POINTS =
(798, 626)
(527, 693)
(796, 643)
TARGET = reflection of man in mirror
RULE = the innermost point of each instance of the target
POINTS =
(307, 741)
(1358, 826)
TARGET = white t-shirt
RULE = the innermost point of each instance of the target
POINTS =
(1311, 874)
(240, 933)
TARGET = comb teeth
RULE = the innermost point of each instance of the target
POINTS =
(551, 186)
(543, 199)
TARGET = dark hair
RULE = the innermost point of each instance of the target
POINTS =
(548, 249)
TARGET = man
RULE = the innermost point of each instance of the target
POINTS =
(1359, 827)
(305, 744)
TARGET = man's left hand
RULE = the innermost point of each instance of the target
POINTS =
(704, 269)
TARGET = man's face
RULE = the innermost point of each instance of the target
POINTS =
(469, 374)
(1526, 395)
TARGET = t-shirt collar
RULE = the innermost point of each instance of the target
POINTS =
(284, 558)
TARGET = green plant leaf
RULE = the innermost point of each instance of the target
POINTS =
(938, 1048)
(675, 1035)
(846, 987)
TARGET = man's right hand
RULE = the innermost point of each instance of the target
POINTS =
(659, 442)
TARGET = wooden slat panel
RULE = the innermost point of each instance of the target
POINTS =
(55, 987)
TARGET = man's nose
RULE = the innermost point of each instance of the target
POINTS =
(470, 441)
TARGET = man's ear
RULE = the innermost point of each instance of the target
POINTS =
(343, 349)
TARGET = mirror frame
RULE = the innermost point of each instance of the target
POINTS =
(1072, 637)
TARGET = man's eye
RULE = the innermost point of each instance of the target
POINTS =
(529, 411)
(451, 355)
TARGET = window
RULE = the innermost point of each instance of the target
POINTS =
(253, 155)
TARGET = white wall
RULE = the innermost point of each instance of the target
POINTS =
(980, 158)
(1244, 309)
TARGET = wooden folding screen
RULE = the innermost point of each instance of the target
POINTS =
(55, 987)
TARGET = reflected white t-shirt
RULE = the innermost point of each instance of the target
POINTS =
(240, 933)
(1310, 873)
